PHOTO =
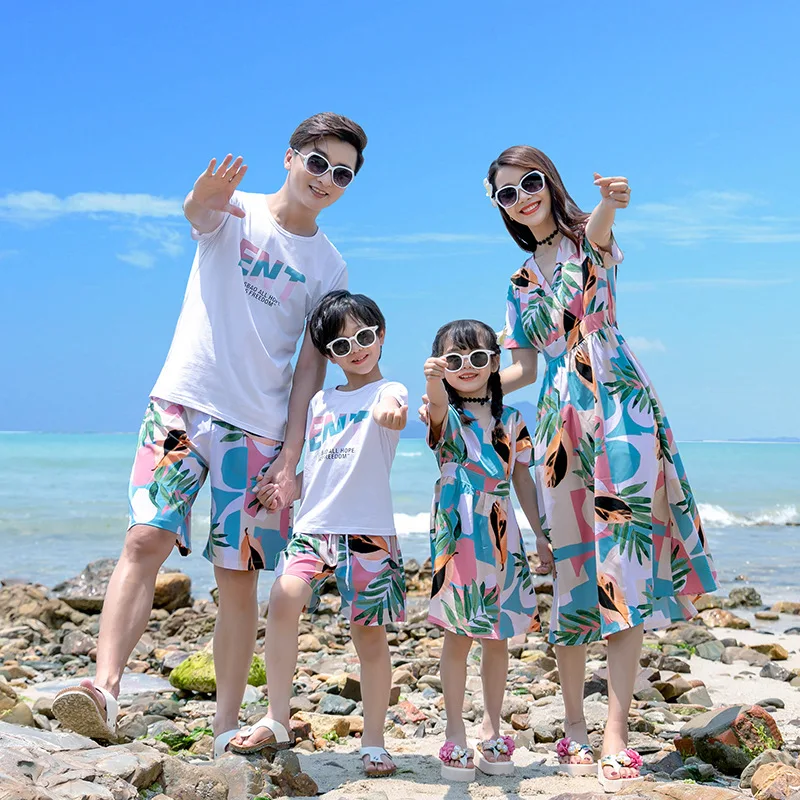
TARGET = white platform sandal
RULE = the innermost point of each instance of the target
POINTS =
(567, 748)
(280, 741)
(451, 753)
(629, 759)
(376, 755)
(501, 746)
(78, 709)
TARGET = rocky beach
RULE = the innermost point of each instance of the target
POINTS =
(716, 712)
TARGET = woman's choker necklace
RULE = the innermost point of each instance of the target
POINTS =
(547, 239)
(481, 401)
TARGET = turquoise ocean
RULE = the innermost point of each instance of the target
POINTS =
(63, 503)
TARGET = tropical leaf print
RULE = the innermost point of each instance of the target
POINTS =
(216, 539)
(172, 488)
(383, 596)
(630, 520)
(647, 607)
(537, 318)
(680, 569)
(474, 611)
(523, 570)
(661, 427)
(687, 505)
(628, 386)
(578, 627)
(632, 539)
(586, 457)
(548, 418)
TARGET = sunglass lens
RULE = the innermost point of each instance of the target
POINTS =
(316, 165)
(365, 338)
(479, 360)
(454, 363)
(533, 183)
(341, 347)
(507, 197)
(342, 177)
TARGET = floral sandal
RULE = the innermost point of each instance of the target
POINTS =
(452, 754)
(567, 748)
(629, 759)
(501, 746)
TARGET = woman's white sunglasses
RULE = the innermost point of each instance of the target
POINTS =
(343, 346)
(531, 183)
(317, 165)
(477, 359)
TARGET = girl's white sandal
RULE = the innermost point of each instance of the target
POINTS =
(456, 754)
(502, 745)
(629, 759)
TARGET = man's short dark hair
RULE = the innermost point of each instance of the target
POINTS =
(328, 319)
(329, 124)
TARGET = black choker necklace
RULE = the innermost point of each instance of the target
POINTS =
(547, 239)
(481, 401)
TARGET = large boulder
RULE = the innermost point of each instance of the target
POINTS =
(767, 757)
(775, 781)
(24, 602)
(196, 673)
(743, 596)
(729, 738)
(85, 592)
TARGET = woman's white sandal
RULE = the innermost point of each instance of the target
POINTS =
(78, 709)
(222, 741)
(376, 755)
(281, 740)
(628, 759)
(502, 745)
(569, 748)
(455, 753)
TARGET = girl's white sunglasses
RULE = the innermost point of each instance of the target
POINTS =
(317, 165)
(477, 359)
(531, 183)
(343, 346)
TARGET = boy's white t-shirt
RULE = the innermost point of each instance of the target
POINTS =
(251, 288)
(347, 462)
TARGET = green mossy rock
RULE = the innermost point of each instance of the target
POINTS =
(196, 674)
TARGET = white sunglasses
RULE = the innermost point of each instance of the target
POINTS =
(343, 346)
(531, 183)
(477, 359)
(317, 165)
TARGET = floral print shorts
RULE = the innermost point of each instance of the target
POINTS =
(369, 573)
(178, 449)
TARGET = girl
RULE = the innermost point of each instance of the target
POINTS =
(344, 525)
(628, 544)
(482, 587)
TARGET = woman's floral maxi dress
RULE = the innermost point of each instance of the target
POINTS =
(482, 585)
(628, 543)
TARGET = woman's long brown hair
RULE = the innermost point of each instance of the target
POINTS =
(569, 219)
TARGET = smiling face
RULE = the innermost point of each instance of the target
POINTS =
(317, 193)
(532, 210)
(360, 360)
(469, 381)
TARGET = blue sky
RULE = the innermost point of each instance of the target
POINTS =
(113, 110)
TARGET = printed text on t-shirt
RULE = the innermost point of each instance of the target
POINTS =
(271, 282)
(326, 425)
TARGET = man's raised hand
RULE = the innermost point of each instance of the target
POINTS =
(215, 187)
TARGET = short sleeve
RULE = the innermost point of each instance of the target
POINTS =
(602, 257)
(523, 450)
(227, 219)
(513, 336)
(451, 430)
(395, 390)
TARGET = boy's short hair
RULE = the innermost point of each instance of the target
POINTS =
(329, 124)
(328, 319)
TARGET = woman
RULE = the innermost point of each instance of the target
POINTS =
(627, 540)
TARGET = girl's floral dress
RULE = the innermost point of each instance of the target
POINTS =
(628, 543)
(482, 584)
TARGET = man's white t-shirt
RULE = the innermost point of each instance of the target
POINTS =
(347, 461)
(251, 288)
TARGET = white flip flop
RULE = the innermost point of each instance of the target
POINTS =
(78, 709)
(282, 740)
(376, 755)
(222, 741)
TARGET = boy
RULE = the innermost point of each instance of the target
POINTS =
(344, 524)
(226, 405)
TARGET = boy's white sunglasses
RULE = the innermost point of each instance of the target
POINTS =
(343, 346)
(477, 359)
(317, 165)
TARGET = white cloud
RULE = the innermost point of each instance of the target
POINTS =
(169, 238)
(34, 205)
(640, 344)
(710, 215)
(139, 258)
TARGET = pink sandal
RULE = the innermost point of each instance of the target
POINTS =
(451, 754)
(501, 746)
(567, 748)
(629, 759)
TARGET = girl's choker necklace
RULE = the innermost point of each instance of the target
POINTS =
(481, 401)
(547, 239)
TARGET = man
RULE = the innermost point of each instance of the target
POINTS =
(226, 405)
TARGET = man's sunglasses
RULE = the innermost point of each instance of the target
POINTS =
(343, 346)
(477, 359)
(532, 183)
(317, 165)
